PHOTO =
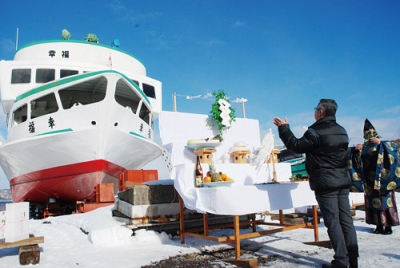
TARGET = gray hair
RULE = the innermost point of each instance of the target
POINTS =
(329, 107)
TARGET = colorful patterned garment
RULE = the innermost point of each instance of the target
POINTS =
(376, 171)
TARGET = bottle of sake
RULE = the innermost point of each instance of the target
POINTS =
(198, 174)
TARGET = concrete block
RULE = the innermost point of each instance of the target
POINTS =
(141, 214)
(137, 195)
(146, 211)
(149, 194)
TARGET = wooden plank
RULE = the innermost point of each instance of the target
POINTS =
(130, 184)
(271, 231)
(243, 263)
(25, 242)
(208, 237)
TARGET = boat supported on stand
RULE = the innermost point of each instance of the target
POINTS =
(78, 114)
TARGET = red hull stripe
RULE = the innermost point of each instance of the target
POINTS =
(69, 170)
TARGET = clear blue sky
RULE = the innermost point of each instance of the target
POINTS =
(282, 56)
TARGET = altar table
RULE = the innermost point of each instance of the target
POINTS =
(245, 197)
(237, 237)
(251, 192)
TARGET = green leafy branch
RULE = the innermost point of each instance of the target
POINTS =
(370, 135)
(215, 112)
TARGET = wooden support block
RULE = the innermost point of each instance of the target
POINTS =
(29, 254)
(293, 218)
(243, 263)
(138, 176)
(294, 215)
(130, 184)
(295, 221)
(105, 193)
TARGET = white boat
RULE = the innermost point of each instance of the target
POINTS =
(78, 114)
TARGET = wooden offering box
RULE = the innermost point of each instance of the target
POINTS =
(205, 155)
(240, 157)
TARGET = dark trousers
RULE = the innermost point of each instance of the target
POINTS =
(335, 209)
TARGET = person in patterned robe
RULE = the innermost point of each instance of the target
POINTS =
(375, 170)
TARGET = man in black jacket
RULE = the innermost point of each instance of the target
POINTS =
(325, 144)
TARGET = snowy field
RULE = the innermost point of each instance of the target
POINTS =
(95, 239)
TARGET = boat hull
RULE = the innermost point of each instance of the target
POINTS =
(69, 165)
(68, 183)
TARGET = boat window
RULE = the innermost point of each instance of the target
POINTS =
(44, 105)
(149, 91)
(20, 115)
(145, 114)
(125, 96)
(65, 73)
(88, 92)
(45, 75)
(21, 76)
(136, 82)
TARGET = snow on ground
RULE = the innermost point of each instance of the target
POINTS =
(95, 239)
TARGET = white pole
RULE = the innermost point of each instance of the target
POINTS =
(174, 101)
(16, 42)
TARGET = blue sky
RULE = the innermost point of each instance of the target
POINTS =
(282, 56)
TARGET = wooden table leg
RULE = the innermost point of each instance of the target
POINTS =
(317, 242)
(281, 221)
(205, 223)
(253, 219)
(181, 220)
(315, 222)
(237, 236)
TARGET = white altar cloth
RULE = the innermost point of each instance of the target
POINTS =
(177, 128)
(248, 194)
(241, 200)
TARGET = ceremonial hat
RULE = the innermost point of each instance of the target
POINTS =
(368, 125)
